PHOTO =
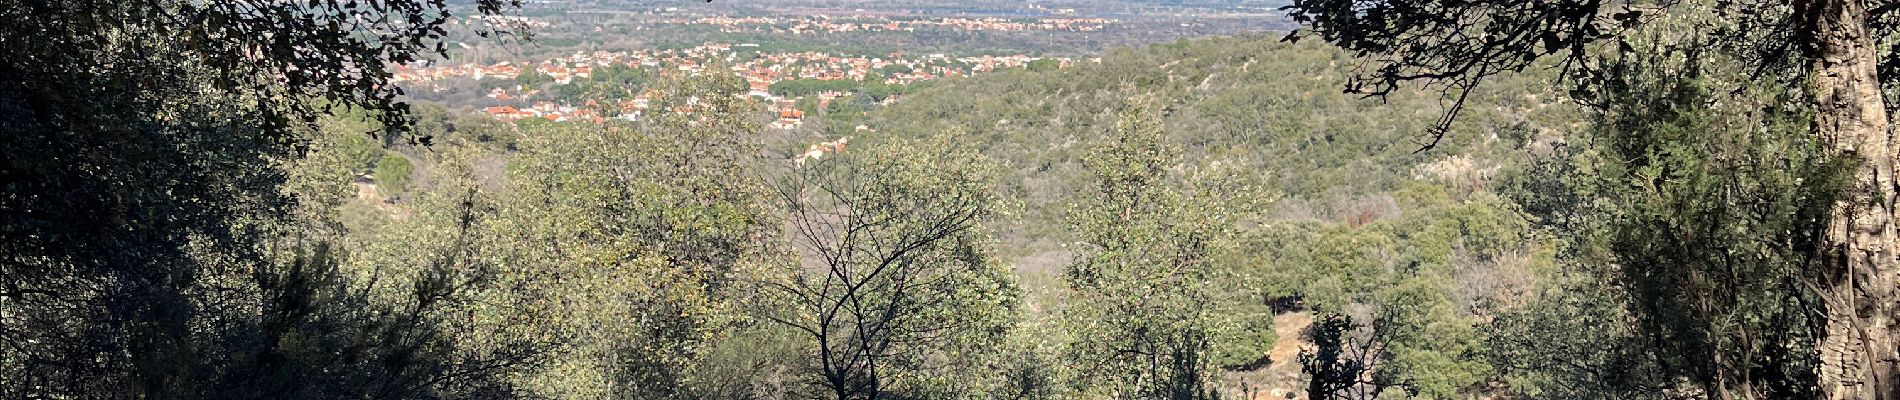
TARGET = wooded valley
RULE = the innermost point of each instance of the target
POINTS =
(1443, 200)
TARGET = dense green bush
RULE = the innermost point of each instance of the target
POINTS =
(393, 172)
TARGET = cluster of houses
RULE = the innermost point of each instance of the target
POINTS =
(760, 70)
(561, 73)
(1044, 24)
(505, 21)
(817, 151)
(547, 110)
(789, 116)
(828, 24)
(764, 68)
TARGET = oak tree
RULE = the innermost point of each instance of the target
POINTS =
(1834, 50)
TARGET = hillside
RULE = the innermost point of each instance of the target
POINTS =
(1270, 109)
(936, 200)
(1335, 188)
(1320, 202)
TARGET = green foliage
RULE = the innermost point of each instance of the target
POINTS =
(1576, 339)
(1725, 213)
(606, 85)
(360, 151)
(632, 243)
(674, 258)
(393, 172)
(810, 86)
(872, 87)
(808, 104)
(1412, 245)
(1429, 349)
(1144, 287)
(1413, 286)
(1335, 367)
(896, 69)
(1268, 109)
(1044, 64)
(1708, 202)
(434, 260)
(896, 287)
(1707, 195)
(532, 78)
(160, 237)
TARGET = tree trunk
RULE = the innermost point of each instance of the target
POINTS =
(1857, 287)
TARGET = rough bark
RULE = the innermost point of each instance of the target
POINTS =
(1857, 351)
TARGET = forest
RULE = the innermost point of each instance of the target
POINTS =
(1559, 199)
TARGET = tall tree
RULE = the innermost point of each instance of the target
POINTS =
(896, 281)
(141, 185)
(1144, 277)
(629, 239)
(1832, 47)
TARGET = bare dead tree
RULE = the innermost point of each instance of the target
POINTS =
(888, 245)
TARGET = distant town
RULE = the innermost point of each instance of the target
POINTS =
(595, 60)
(822, 23)
(760, 70)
